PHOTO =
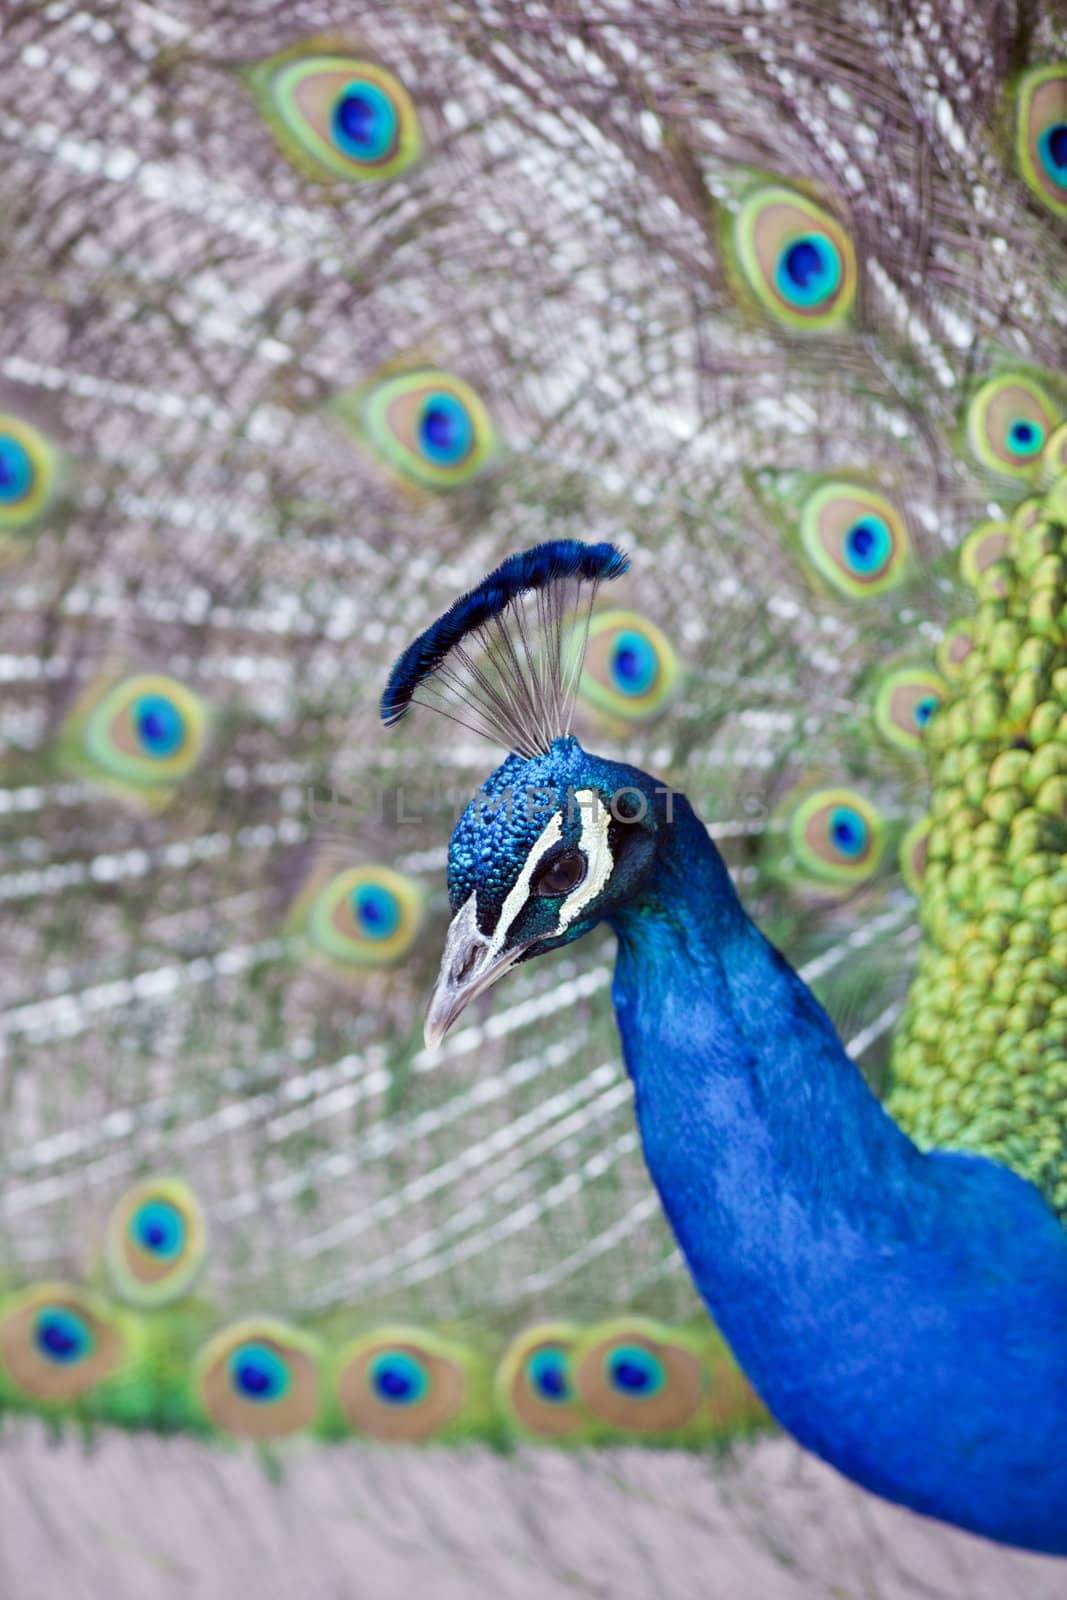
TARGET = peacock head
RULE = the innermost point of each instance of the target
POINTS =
(548, 848)
(556, 839)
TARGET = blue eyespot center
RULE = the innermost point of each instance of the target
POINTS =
(16, 470)
(634, 663)
(548, 1375)
(809, 270)
(365, 122)
(398, 1379)
(1052, 148)
(848, 831)
(1025, 437)
(258, 1372)
(445, 429)
(868, 544)
(375, 910)
(160, 725)
(925, 708)
(159, 1228)
(635, 1371)
(61, 1335)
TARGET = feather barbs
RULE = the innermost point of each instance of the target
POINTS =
(505, 660)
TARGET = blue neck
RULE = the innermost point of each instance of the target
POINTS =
(903, 1314)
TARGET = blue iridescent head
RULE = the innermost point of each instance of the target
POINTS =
(556, 838)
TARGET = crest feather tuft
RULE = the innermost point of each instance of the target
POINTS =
(510, 650)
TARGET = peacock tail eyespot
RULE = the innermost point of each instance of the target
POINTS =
(633, 1376)
(336, 117)
(155, 1242)
(1009, 420)
(985, 544)
(631, 670)
(29, 471)
(364, 916)
(57, 1342)
(796, 259)
(836, 837)
(914, 849)
(534, 1388)
(400, 1384)
(147, 731)
(1041, 134)
(259, 1379)
(905, 701)
(431, 427)
(854, 538)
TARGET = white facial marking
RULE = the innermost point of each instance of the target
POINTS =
(519, 892)
(595, 847)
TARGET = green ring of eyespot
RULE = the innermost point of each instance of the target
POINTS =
(429, 468)
(887, 562)
(984, 439)
(29, 472)
(145, 769)
(830, 301)
(844, 808)
(276, 82)
(365, 947)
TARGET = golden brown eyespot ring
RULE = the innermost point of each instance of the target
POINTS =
(57, 1342)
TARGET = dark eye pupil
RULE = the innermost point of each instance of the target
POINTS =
(563, 875)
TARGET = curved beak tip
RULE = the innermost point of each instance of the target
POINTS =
(469, 966)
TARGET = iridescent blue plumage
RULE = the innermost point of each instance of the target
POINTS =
(903, 1313)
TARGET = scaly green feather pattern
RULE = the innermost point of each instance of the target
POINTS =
(980, 1058)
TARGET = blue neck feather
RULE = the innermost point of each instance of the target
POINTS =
(903, 1314)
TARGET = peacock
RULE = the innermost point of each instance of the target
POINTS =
(730, 340)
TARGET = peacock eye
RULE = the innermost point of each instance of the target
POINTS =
(563, 874)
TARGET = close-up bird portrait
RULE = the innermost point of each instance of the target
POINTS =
(533, 800)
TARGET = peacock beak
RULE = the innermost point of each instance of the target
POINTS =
(471, 964)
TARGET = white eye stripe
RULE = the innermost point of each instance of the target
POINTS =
(519, 892)
(597, 851)
(594, 845)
